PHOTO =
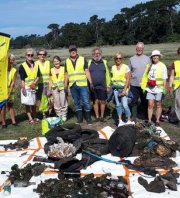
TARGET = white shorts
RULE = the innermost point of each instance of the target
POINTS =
(154, 96)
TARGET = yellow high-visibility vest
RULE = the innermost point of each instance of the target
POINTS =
(10, 78)
(44, 70)
(76, 75)
(158, 77)
(108, 78)
(119, 76)
(176, 82)
(4, 47)
(58, 82)
(31, 75)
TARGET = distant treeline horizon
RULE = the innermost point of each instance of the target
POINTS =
(156, 21)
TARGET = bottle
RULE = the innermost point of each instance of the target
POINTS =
(7, 190)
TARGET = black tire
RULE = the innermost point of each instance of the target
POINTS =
(122, 141)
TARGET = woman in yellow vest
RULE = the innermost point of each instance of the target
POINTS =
(29, 74)
(56, 87)
(154, 83)
(175, 83)
(12, 73)
(44, 67)
(120, 84)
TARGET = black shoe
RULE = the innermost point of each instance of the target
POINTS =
(157, 124)
(101, 119)
(4, 126)
(79, 116)
(97, 120)
(14, 124)
(88, 117)
(178, 125)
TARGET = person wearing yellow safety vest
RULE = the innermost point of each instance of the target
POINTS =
(154, 83)
(29, 74)
(56, 87)
(175, 83)
(44, 67)
(12, 74)
(120, 85)
(77, 74)
(101, 81)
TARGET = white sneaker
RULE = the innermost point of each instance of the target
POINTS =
(121, 123)
(130, 122)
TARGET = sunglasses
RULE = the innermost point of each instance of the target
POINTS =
(42, 54)
(30, 55)
(118, 58)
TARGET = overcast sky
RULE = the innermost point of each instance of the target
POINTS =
(21, 17)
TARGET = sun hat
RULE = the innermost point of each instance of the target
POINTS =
(156, 53)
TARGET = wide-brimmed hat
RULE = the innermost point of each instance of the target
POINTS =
(156, 53)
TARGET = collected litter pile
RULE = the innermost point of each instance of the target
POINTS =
(22, 143)
(159, 184)
(22, 176)
(71, 152)
(87, 186)
(154, 151)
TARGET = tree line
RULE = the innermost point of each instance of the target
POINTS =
(155, 21)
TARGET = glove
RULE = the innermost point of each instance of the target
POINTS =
(23, 89)
(164, 91)
(91, 87)
(32, 86)
(66, 91)
(169, 89)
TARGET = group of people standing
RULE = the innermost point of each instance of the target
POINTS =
(144, 77)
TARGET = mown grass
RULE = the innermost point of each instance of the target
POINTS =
(25, 129)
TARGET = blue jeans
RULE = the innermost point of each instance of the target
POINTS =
(121, 102)
(80, 94)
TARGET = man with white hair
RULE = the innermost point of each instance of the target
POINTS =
(137, 65)
(101, 81)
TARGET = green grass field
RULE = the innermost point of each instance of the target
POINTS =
(24, 129)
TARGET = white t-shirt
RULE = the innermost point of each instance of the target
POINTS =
(151, 76)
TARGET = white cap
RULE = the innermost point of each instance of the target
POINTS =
(156, 53)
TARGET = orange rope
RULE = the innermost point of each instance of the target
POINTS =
(104, 134)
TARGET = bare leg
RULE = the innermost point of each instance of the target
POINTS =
(33, 108)
(96, 108)
(102, 106)
(129, 119)
(28, 111)
(159, 110)
(11, 112)
(3, 115)
(120, 117)
(150, 109)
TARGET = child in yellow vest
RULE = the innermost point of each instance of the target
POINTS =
(56, 87)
